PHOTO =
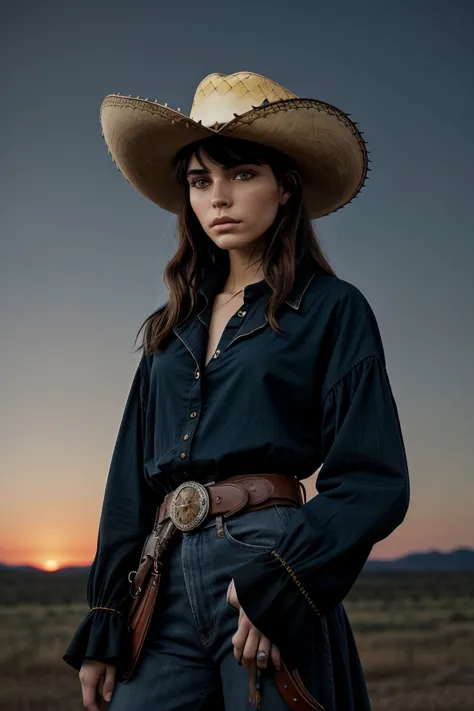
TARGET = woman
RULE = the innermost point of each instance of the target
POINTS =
(262, 362)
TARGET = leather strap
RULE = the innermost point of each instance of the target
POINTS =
(291, 687)
(249, 491)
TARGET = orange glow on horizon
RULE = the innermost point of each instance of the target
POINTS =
(69, 538)
(50, 565)
(19, 557)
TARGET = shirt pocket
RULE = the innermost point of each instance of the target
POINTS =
(259, 530)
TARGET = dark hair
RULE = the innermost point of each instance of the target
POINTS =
(290, 239)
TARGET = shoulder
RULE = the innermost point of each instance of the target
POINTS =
(338, 304)
(346, 328)
(144, 367)
(336, 295)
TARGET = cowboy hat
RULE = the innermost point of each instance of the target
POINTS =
(144, 136)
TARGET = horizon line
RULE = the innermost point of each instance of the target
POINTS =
(426, 551)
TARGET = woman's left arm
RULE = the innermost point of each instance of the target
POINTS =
(363, 495)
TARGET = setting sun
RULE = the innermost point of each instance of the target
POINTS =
(51, 565)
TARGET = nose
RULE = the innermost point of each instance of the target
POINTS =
(220, 202)
(219, 197)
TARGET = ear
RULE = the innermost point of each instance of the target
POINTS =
(287, 185)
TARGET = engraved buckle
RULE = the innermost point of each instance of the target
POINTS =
(189, 505)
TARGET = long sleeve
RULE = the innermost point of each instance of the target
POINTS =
(127, 517)
(363, 495)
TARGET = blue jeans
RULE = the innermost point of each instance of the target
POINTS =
(188, 661)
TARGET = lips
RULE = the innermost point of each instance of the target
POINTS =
(223, 221)
(224, 224)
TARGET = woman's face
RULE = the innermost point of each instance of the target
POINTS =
(248, 193)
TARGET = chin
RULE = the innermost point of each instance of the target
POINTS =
(233, 241)
(229, 241)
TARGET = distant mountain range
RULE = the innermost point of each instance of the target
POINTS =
(74, 570)
(460, 559)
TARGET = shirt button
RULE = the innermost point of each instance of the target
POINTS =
(193, 414)
(183, 455)
(186, 436)
(197, 374)
(241, 313)
(216, 353)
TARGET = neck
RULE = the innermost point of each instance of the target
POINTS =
(244, 270)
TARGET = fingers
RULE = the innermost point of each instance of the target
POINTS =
(275, 656)
(248, 641)
(264, 645)
(96, 678)
(100, 686)
(240, 637)
(109, 682)
(250, 647)
(89, 692)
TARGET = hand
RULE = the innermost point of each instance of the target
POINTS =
(97, 679)
(248, 640)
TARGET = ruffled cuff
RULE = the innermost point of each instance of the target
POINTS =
(103, 635)
(271, 601)
(274, 603)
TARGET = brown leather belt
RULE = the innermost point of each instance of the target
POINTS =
(191, 503)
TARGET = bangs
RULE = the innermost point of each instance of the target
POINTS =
(229, 153)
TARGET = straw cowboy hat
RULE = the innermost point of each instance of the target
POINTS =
(143, 137)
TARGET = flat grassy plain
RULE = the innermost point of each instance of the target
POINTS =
(415, 633)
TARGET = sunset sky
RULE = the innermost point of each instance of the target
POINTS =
(83, 253)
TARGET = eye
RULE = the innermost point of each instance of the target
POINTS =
(199, 180)
(245, 172)
(194, 183)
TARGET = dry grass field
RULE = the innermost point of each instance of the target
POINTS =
(415, 634)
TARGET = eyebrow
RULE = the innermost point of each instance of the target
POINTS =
(197, 171)
(205, 171)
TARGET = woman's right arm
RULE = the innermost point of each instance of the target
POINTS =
(127, 517)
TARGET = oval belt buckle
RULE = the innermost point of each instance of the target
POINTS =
(189, 505)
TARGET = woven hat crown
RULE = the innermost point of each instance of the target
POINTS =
(219, 97)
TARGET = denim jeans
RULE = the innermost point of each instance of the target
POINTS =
(188, 661)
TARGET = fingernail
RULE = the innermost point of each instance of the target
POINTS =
(108, 696)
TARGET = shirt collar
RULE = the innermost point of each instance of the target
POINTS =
(304, 274)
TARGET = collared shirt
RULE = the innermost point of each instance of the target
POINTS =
(253, 408)
(317, 393)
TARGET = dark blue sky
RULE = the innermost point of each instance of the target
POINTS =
(83, 253)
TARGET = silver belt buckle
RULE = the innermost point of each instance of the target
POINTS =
(189, 505)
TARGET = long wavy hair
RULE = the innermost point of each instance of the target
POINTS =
(290, 239)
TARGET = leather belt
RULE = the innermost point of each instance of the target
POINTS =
(191, 503)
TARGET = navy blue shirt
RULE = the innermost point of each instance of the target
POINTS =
(317, 393)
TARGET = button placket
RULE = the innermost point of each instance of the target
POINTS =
(194, 403)
(228, 334)
(187, 435)
(233, 330)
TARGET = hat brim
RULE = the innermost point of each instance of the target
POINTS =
(143, 138)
